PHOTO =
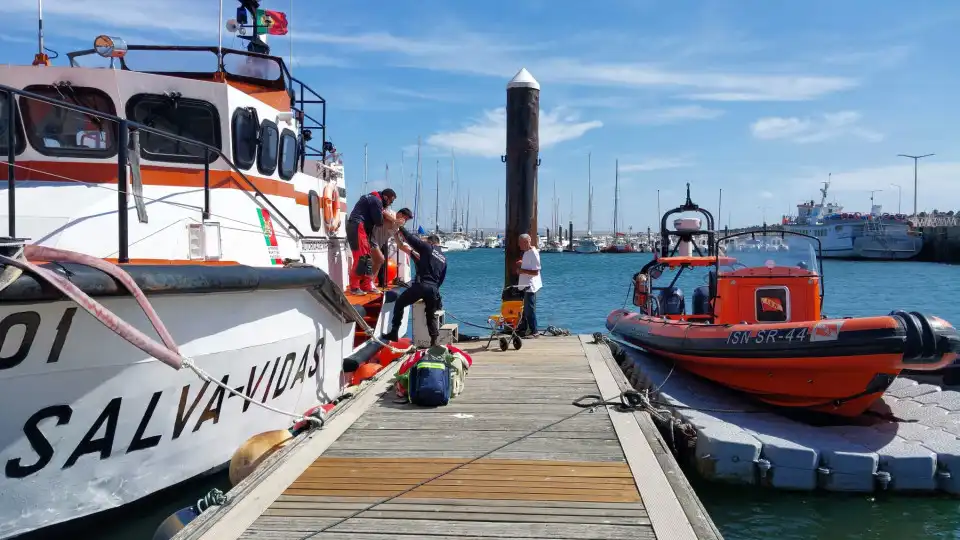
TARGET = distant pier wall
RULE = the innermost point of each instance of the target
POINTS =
(941, 244)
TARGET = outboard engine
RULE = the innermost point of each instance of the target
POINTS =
(671, 301)
(701, 300)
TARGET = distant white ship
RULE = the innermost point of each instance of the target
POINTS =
(456, 242)
(588, 244)
(854, 235)
(492, 242)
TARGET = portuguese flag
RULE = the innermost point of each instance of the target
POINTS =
(272, 22)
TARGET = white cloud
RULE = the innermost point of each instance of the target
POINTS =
(181, 16)
(656, 164)
(672, 115)
(318, 60)
(480, 54)
(457, 51)
(813, 129)
(444, 97)
(486, 137)
(883, 57)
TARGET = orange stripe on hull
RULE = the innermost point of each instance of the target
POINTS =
(810, 383)
(153, 175)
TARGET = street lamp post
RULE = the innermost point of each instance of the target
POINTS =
(899, 195)
(872, 191)
(915, 159)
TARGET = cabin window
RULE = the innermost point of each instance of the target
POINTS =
(269, 146)
(193, 119)
(288, 154)
(773, 304)
(56, 131)
(19, 141)
(246, 127)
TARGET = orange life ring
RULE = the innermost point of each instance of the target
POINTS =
(331, 208)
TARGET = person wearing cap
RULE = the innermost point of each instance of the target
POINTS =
(431, 270)
(382, 234)
(367, 213)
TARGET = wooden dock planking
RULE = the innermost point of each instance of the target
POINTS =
(509, 458)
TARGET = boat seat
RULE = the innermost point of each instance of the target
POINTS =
(701, 300)
(672, 302)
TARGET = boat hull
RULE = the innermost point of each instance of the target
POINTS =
(91, 423)
(837, 366)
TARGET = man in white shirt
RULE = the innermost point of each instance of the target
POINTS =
(528, 269)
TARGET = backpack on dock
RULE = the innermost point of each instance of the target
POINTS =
(430, 379)
(458, 361)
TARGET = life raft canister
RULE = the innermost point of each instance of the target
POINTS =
(331, 208)
(640, 290)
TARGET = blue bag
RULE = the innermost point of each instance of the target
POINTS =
(429, 383)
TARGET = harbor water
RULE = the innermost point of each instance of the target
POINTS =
(580, 290)
(578, 293)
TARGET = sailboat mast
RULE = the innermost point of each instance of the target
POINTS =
(589, 197)
(364, 168)
(456, 195)
(616, 194)
(419, 189)
(436, 215)
(553, 216)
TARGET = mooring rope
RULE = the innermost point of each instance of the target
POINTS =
(623, 404)
(168, 352)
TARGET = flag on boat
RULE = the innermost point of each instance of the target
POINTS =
(272, 22)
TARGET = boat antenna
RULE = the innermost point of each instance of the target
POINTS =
(291, 47)
(220, 35)
(41, 58)
(720, 207)
(689, 205)
(256, 44)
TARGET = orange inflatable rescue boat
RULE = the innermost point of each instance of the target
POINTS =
(756, 325)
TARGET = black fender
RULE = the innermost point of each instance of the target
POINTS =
(362, 355)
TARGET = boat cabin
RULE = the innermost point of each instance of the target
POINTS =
(779, 281)
(221, 153)
(751, 287)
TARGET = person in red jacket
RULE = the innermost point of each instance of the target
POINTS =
(367, 213)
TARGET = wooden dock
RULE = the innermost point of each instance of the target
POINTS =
(511, 457)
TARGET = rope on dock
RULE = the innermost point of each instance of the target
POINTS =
(550, 330)
(579, 402)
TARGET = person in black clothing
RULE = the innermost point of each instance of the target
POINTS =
(431, 270)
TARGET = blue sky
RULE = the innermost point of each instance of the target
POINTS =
(762, 99)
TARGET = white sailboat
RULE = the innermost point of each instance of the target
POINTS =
(196, 191)
(552, 243)
(587, 243)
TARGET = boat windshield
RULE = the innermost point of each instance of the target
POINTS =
(771, 249)
(188, 61)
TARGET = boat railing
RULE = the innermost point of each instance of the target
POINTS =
(125, 127)
(934, 221)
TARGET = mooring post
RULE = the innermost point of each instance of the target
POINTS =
(522, 159)
(570, 236)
